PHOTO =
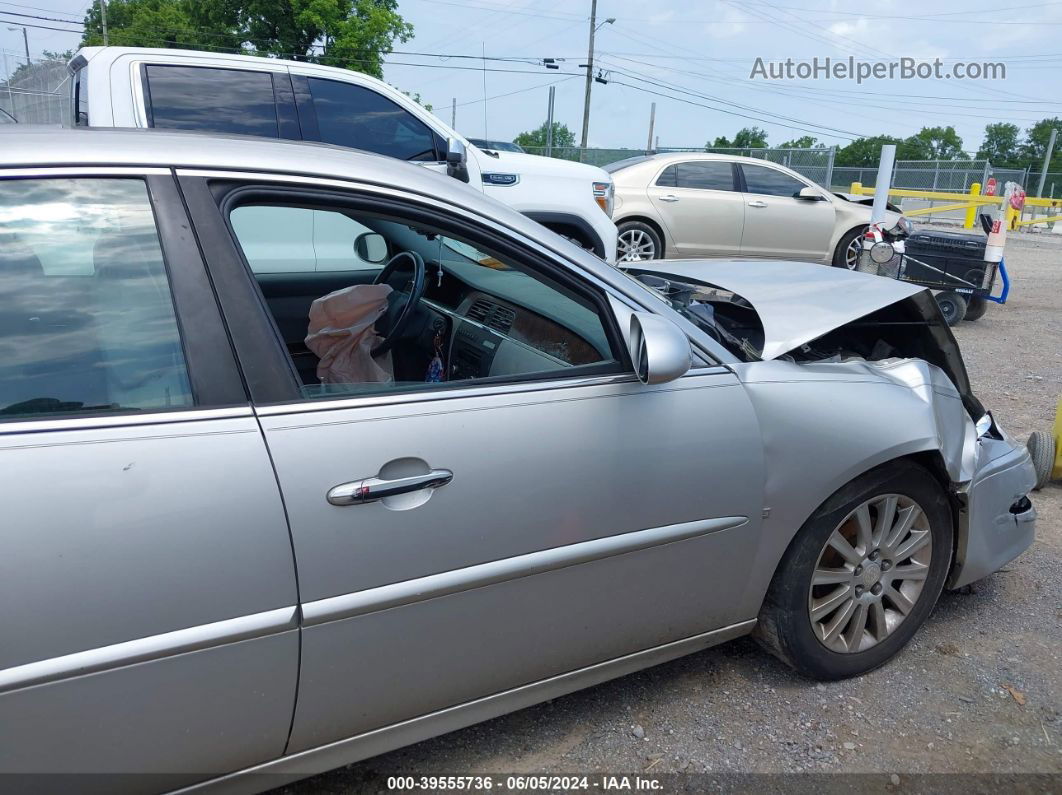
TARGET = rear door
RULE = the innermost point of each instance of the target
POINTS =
(147, 587)
(554, 512)
(777, 224)
(700, 206)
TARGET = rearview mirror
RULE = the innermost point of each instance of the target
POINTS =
(808, 193)
(659, 349)
(456, 159)
(371, 247)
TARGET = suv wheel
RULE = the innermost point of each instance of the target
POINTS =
(637, 242)
(862, 574)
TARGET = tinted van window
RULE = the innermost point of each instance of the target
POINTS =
(219, 100)
(86, 318)
(350, 115)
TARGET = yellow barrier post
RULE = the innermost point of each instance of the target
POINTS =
(857, 188)
(971, 211)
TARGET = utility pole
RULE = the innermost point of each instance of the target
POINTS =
(483, 45)
(590, 72)
(1047, 159)
(549, 121)
(589, 75)
(25, 41)
(652, 121)
(453, 113)
(103, 21)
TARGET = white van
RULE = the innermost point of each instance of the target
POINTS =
(272, 98)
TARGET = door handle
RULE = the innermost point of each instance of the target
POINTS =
(359, 492)
(757, 203)
(671, 197)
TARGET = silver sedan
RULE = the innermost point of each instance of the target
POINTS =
(310, 454)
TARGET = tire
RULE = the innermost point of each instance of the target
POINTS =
(637, 242)
(787, 625)
(976, 308)
(1042, 450)
(840, 254)
(952, 306)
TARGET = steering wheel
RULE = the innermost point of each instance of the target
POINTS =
(400, 303)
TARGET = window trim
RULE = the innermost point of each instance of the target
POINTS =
(263, 357)
(216, 389)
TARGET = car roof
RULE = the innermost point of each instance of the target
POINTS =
(23, 146)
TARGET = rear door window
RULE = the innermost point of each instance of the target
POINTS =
(218, 100)
(705, 175)
(360, 118)
(87, 322)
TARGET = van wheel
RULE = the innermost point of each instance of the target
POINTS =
(638, 242)
(861, 576)
(952, 306)
(976, 308)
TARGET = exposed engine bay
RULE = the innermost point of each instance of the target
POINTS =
(905, 327)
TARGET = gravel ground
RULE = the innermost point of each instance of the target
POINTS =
(978, 690)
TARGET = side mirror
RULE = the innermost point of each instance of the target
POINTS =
(810, 194)
(456, 160)
(659, 349)
(371, 247)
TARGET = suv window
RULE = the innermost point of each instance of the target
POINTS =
(769, 181)
(481, 315)
(86, 318)
(702, 175)
(234, 101)
(360, 118)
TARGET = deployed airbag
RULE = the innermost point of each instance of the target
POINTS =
(342, 334)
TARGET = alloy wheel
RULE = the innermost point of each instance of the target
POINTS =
(870, 573)
(851, 254)
(636, 245)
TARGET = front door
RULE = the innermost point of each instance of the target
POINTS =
(509, 503)
(698, 203)
(777, 224)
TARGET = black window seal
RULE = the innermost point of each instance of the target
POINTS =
(269, 363)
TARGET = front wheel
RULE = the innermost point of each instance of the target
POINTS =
(637, 242)
(846, 255)
(861, 576)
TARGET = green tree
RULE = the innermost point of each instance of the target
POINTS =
(1001, 145)
(355, 34)
(934, 143)
(750, 138)
(721, 142)
(1035, 145)
(536, 138)
(866, 151)
(803, 142)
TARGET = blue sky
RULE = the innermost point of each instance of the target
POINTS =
(694, 59)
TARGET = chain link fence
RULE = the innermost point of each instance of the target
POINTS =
(35, 93)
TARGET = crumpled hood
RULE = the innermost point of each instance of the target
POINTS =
(797, 302)
(520, 162)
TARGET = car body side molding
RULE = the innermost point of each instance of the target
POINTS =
(153, 647)
(334, 608)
